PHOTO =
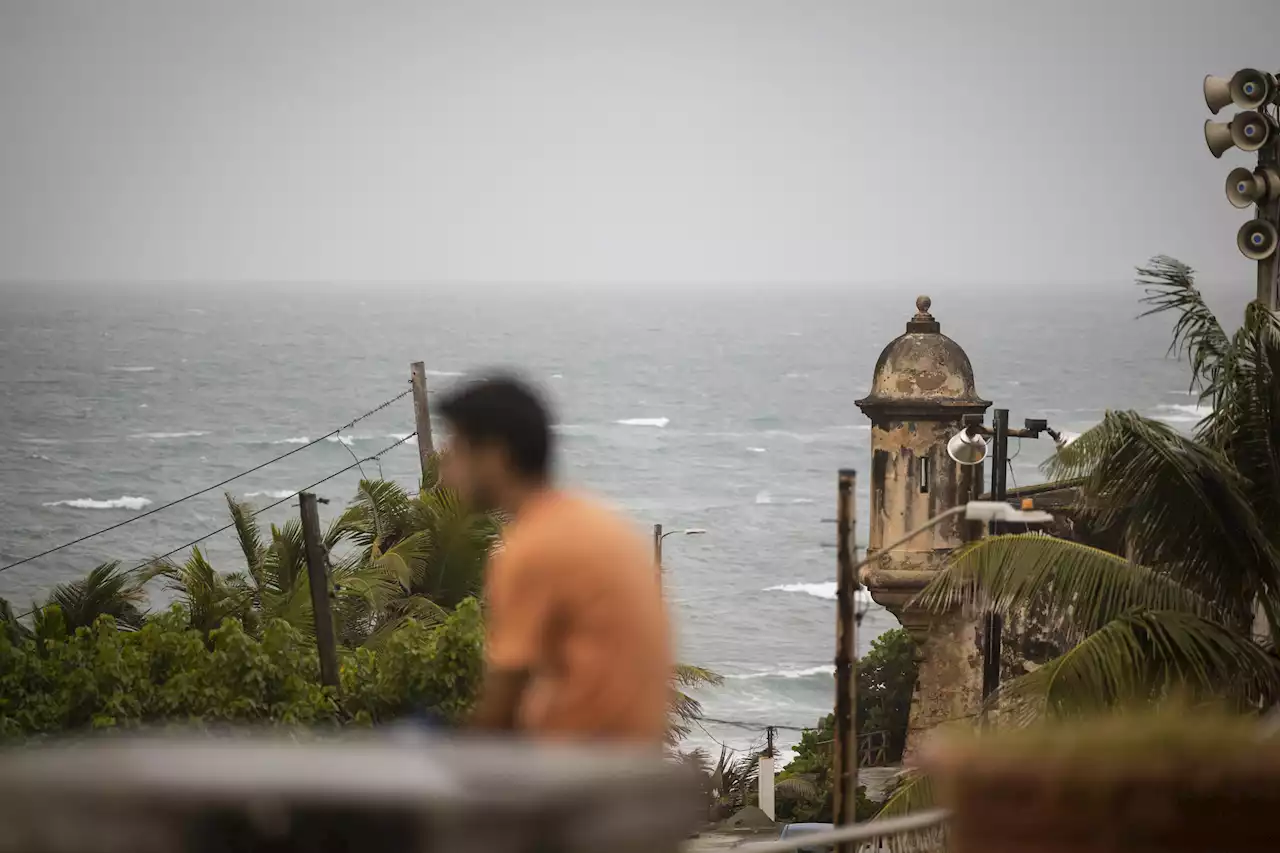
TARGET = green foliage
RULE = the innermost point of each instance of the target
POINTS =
(1199, 519)
(886, 679)
(239, 646)
(168, 672)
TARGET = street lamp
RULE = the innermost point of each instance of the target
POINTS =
(970, 447)
(658, 536)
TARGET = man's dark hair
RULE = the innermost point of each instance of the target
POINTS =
(505, 411)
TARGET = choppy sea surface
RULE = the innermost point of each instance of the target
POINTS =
(727, 409)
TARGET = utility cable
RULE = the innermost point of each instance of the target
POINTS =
(208, 489)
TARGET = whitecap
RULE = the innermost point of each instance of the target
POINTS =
(140, 369)
(123, 502)
(757, 450)
(276, 494)
(764, 498)
(347, 440)
(445, 373)
(156, 436)
(825, 590)
(804, 672)
(557, 376)
(1181, 413)
(300, 439)
(660, 423)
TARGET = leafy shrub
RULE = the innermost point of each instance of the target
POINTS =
(99, 677)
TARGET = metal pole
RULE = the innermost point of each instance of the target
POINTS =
(657, 547)
(845, 793)
(318, 576)
(1270, 211)
(422, 418)
(994, 627)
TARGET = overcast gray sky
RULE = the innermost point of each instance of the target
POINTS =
(1018, 141)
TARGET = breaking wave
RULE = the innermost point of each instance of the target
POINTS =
(1181, 413)
(275, 494)
(765, 499)
(158, 436)
(660, 423)
(123, 502)
(805, 672)
(825, 590)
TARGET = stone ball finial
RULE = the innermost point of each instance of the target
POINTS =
(923, 304)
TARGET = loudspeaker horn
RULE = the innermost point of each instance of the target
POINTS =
(1256, 239)
(1217, 135)
(1217, 92)
(1251, 88)
(1250, 130)
(967, 449)
(1257, 187)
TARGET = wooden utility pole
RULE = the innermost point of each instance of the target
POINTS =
(845, 794)
(657, 547)
(318, 575)
(422, 417)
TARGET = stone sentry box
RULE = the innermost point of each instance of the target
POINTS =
(922, 388)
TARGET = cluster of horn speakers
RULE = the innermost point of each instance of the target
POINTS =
(1250, 130)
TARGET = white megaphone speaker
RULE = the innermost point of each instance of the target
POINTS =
(1251, 88)
(1257, 239)
(1250, 130)
(1217, 92)
(966, 448)
(1257, 187)
(1217, 135)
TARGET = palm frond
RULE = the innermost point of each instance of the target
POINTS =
(106, 590)
(248, 533)
(1143, 656)
(1197, 334)
(914, 793)
(1075, 585)
(797, 787)
(688, 675)
(1182, 505)
(207, 595)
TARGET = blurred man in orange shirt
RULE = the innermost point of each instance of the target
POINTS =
(577, 639)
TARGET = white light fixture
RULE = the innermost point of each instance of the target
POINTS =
(967, 448)
(1001, 511)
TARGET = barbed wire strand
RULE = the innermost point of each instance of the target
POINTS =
(208, 489)
(153, 560)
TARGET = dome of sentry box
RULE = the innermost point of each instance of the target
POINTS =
(923, 368)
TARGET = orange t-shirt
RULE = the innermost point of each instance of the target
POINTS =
(574, 598)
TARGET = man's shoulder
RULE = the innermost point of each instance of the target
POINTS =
(568, 517)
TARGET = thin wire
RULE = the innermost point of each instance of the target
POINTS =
(256, 513)
(719, 742)
(208, 489)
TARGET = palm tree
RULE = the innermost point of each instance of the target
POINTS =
(107, 590)
(417, 556)
(1199, 518)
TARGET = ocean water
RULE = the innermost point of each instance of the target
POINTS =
(727, 409)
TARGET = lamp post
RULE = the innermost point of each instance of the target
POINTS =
(658, 536)
(970, 447)
(845, 794)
